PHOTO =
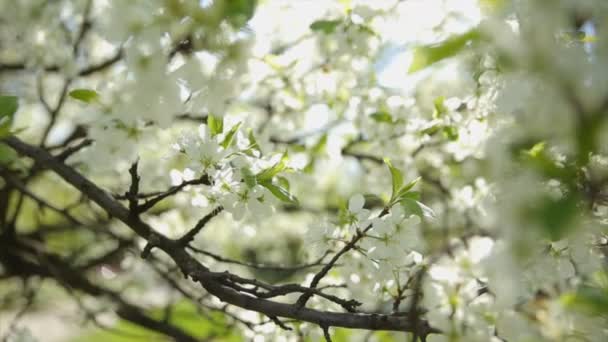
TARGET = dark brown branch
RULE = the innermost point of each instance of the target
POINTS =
(280, 268)
(85, 26)
(92, 69)
(13, 180)
(198, 272)
(190, 235)
(147, 205)
(323, 272)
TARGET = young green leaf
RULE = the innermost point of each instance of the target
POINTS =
(84, 95)
(382, 117)
(404, 190)
(319, 147)
(280, 192)
(425, 56)
(440, 108)
(216, 125)
(397, 178)
(248, 177)
(325, 26)
(8, 108)
(412, 206)
(269, 173)
(238, 12)
(230, 136)
(450, 132)
(283, 182)
(253, 144)
(7, 155)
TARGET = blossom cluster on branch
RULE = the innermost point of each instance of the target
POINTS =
(300, 170)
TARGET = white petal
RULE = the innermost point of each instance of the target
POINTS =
(355, 203)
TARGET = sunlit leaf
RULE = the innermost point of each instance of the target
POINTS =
(412, 206)
(439, 106)
(229, 138)
(404, 189)
(382, 117)
(248, 177)
(450, 132)
(397, 178)
(272, 171)
(590, 300)
(7, 155)
(325, 26)
(238, 12)
(425, 56)
(8, 108)
(280, 192)
(216, 125)
(556, 216)
(84, 95)
(284, 183)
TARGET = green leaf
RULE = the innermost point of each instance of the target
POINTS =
(249, 177)
(284, 183)
(397, 178)
(84, 95)
(7, 155)
(230, 136)
(431, 130)
(382, 117)
(590, 300)
(319, 147)
(184, 315)
(238, 12)
(325, 26)
(280, 193)
(556, 215)
(537, 149)
(440, 108)
(450, 132)
(414, 195)
(415, 207)
(404, 190)
(216, 125)
(253, 144)
(8, 108)
(269, 173)
(425, 56)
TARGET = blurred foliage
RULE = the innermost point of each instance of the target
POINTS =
(209, 325)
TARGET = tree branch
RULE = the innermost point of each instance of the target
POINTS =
(213, 282)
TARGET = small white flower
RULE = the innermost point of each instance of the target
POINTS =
(358, 215)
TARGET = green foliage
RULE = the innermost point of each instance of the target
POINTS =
(399, 190)
(280, 192)
(382, 116)
(269, 173)
(184, 315)
(397, 178)
(425, 56)
(8, 108)
(556, 216)
(248, 177)
(216, 125)
(280, 188)
(84, 95)
(229, 138)
(253, 144)
(439, 106)
(589, 300)
(325, 26)
(7, 155)
(450, 132)
(238, 12)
